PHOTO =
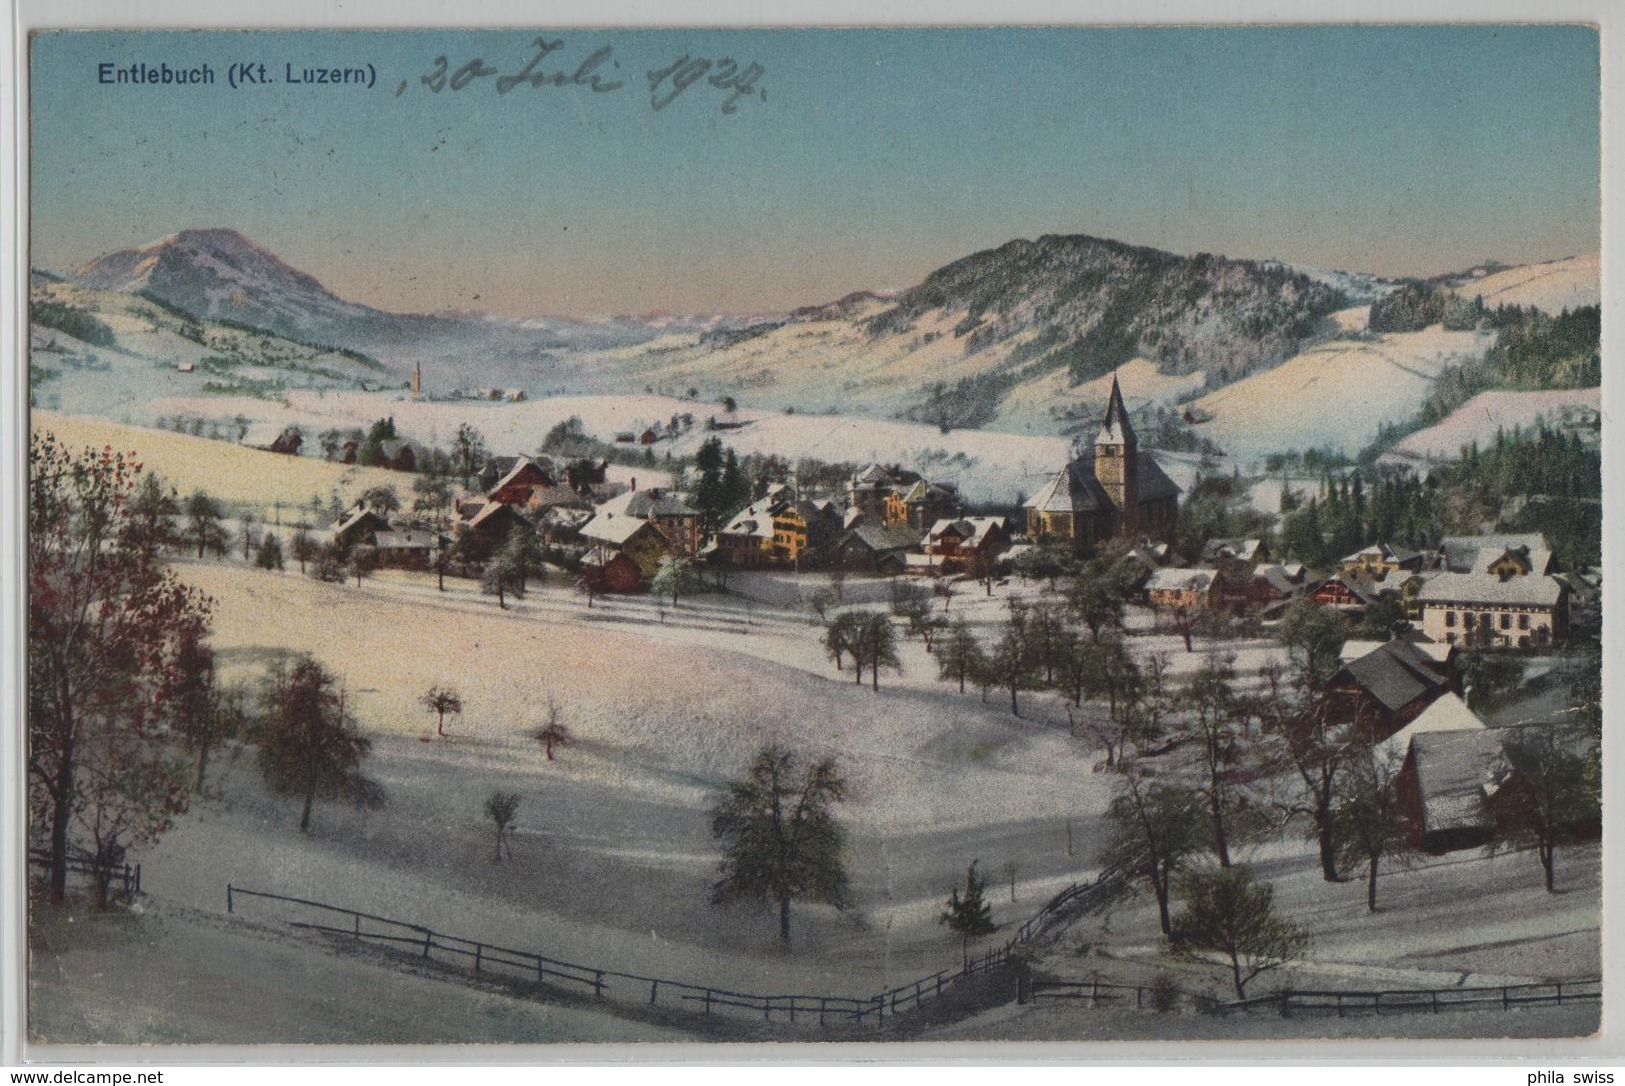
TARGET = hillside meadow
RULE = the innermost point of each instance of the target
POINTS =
(239, 476)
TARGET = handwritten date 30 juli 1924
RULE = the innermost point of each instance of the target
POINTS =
(599, 73)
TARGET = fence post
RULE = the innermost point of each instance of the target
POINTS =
(358, 925)
(708, 1001)
(1559, 993)
(538, 969)
(479, 953)
(598, 984)
(1094, 992)
(1505, 1002)
(428, 940)
(654, 991)
(138, 878)
(822, 1003)
(230, 907)
(1435, 995)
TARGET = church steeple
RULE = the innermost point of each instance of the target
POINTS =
(1117, 430)
(1117, 468)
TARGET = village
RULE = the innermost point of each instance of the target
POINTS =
(1171, 702)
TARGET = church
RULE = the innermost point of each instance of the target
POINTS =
(1111, 491)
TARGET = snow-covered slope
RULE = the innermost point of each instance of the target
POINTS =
(1481, 417)
(1335, 394)
(1553, 286)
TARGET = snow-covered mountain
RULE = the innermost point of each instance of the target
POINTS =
(218, 274)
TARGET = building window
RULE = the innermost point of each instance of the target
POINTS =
(1450, 638)
(1506, 621)
(1523, 622)
(1450, 620)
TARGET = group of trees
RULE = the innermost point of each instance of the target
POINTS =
(1560, 471)
(125, 706)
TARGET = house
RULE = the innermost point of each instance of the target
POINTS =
(1112, 491)
(875, 548)
(271, 437)
(1346, 593)
(785, 533)
(613, 572)
(1249, 551)
(483, 526)
(919, 504)
(508, 478)
(359, 528)
(1180, 589)
(678, 521)
(1387, 688)
(1449, 785)
(1448, 714)
(746, 541)
(868, 490)
(1263, 590)
(1490, 610)
(606, 534)
(563, 524)
(968, 543)
(1377, 561)
(407, 548)
(1500, 555)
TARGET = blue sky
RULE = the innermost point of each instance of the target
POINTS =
(866, 158)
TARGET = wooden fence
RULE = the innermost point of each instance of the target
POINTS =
(124, 877)
(490, 960)
(1290, 1001)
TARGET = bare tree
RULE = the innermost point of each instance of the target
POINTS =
(553, 732)
(1371, 820)
(441, 700)
(500, 808)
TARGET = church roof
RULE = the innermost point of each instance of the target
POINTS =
(1116, 430)
(1074, 489)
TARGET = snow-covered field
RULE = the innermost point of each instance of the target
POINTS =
(1335, 393)
(988, 466)
(1553, 286)
(231, 473)
(1481, 417)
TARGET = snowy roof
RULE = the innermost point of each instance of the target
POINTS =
(404, 539)
(1247, 550)
(1396, 674)
(1448, 714)
(521, 465)
(1482, 588)
(1455, 772)
(614, 530)
(751, 521)
(1383, 551)
(653, 502)
(1471, 553)
(1074, 489)
(881, 538)
(973, 530)
(1181, 580)
(358, 518)
(491, 510)
(1354, 649)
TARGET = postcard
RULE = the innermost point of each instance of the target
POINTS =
(549, 536)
